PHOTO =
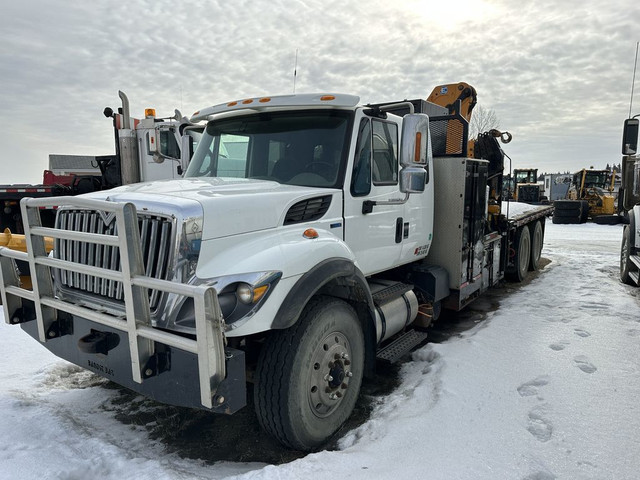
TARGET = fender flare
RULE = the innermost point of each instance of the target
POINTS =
(316, 278)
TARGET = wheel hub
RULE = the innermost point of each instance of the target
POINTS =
(330, 374)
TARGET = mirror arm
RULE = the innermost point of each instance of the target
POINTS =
(159, 158)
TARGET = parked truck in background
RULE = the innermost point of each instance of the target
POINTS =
(310, 235)
(629, 204)
(145, 149)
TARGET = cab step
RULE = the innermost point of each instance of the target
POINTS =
(401, 346)
(383, 291)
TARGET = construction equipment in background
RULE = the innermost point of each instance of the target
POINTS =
(590, 196)
(524, 187)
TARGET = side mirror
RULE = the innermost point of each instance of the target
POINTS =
(415, 149)
(152, 143)
(186, 151)
(630, 136)
(413, 179)
(415, 153)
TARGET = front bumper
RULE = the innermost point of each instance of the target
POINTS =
(173, 373)
(172, 368)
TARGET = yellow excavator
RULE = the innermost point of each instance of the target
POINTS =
(590, 196)
(596, 187)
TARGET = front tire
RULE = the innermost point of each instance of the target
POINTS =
(309, 375)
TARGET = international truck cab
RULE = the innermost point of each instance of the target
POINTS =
(309, 235)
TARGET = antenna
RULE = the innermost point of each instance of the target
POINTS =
(633, 82)
(295, 71)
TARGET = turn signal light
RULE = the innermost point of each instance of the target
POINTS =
(310, 233)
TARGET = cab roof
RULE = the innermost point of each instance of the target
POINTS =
(335, 100)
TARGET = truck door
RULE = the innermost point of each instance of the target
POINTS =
(375, 233)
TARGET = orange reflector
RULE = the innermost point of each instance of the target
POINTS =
(416, 157)
(265, 100)
(327, 98)
(196, 113)
(149, 112)
(232, 104)
(246, 102)
(310, 233)
(258, 292)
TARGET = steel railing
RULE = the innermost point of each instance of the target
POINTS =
(209, 343)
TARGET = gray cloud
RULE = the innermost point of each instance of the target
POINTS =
(558, 75)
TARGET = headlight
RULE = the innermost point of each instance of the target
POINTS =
(240, 297)
(249, 294)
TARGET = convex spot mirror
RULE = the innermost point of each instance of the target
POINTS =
(630, 136)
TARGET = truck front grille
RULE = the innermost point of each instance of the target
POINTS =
(156, 236)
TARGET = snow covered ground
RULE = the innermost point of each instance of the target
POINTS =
(547, 386)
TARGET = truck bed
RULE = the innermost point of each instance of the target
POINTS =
(521, 213)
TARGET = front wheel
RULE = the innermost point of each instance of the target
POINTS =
(309, 375)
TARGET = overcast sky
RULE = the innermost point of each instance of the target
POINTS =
(558, 74)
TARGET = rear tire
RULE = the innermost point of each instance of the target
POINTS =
(565, 221)
(309, 375)
(566, 204)
(522, 255)
(607, 219)
(537, 239)
(567, 212)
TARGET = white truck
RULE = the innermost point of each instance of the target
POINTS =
(629, 204)
(146, 149)
(310, 235)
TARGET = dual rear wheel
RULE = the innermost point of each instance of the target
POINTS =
(527, 250)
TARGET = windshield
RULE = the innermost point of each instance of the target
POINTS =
(526, 176)
(297, 148)
(600, 179)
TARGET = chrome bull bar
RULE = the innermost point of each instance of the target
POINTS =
(209, 345)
